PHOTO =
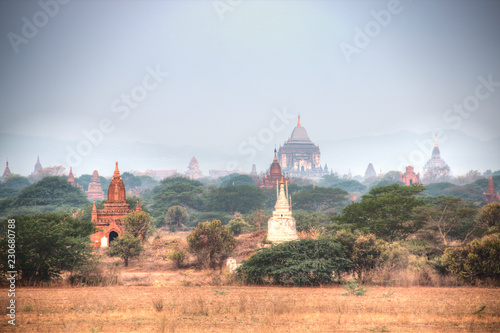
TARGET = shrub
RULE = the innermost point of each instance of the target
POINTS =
(212, 243)
(480, 259)
(177, 257)
(307, 262)
(238, 226)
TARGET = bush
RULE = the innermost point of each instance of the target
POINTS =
(212, 243)
(307, 262)
(480, 259)
(238, 226)
(177, 257)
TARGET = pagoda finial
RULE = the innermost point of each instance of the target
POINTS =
(117, 172)
(282, 181)
(435, 140)
(38, 159)
(298, 122)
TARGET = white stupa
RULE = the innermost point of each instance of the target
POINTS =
(281, 226)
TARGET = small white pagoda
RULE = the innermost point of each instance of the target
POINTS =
(281, 227)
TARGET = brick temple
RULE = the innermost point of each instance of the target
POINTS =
(109, 219)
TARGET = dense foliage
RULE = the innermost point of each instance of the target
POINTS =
(480, 259)
(46, 245)
(320, 199)
(139, 224)
(306, 262)
(238, 198)
(385, 211)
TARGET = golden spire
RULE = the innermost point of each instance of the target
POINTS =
(298, 122)
(436, 140)
(282, 181)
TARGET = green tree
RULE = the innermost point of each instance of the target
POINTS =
(212, 243)
(447, 215)
(307, 262)
(46, 245)
(55, 191)
(176, 216)
(126, 247)
(138, 224)
(240, 198)
(385, 211)
(305, 221)
(236, 179)
(320, 199)
(489, 215)
(12, 185)
(177, 191)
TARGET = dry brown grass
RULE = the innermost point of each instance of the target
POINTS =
(255, 309)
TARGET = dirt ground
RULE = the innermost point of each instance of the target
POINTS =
(178, 308)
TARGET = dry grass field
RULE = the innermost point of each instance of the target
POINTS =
(177, 308)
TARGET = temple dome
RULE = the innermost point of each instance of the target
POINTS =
(300, 134)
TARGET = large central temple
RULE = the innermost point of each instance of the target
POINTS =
(300, 157)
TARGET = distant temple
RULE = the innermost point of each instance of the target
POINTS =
(71, 179)
(370, 171)
(409, 177)
(281, 226)
(6, 172)
(273, 176)
(436, 168)
(38, 166)
(194, 171)
(299, 156)
(109, 219)
(95, 191)
(491, 194)
(254, 170)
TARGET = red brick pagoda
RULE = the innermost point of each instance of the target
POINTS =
(109, 219)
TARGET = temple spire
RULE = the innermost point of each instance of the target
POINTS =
(117, 172)
(435, 140)
(138, 208)
(298, 122)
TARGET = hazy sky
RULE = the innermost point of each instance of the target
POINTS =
(234, 65)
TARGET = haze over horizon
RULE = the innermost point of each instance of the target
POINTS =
(222, 79)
